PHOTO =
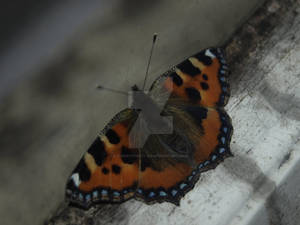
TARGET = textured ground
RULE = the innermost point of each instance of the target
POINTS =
(60, 115)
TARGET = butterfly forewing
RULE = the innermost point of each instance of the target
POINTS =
(109, 170)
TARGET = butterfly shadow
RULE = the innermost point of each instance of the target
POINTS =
(245, 169)
(98, 214)
(282, 208)
(277, 203)
(112, 214)
(287, 105)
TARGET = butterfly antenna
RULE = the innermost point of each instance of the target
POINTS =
(147, 70)
(112, 90)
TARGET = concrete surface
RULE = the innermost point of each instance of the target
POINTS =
(265, 107)
(50, 119)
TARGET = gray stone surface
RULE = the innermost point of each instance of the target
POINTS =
(50, 119)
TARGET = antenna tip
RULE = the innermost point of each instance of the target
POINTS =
(154, 37)
(99, 87)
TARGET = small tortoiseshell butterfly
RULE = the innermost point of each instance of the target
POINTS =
(166, 165)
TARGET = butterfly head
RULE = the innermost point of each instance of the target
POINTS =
(135, 88)
(137, 99)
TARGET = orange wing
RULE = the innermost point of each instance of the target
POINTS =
(109, 170)
(198, 88)
(171, 183)
(200, 79)
(112, 172)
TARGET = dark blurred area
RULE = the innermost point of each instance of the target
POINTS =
(33, 33)
(17, 14)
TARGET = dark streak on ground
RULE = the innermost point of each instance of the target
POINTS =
(285, 159)
(250, 38)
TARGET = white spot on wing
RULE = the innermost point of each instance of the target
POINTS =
(130, 99)
(210, 54)
(75, 178)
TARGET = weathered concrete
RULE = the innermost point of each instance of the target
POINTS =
(49, 121)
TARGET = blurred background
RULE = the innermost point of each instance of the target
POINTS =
(33, 32)
(53, 54)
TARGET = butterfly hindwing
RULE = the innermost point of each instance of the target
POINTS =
(177, 178)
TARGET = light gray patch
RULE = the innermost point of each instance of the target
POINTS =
(214, 157)
(104, 192)
(286, 104)
(76, 180)
(95, 194)
(222, 150)
(209, 54)
(182, 186)
(225, 67)
(223, 140)
(174, 192)
(225, 129)
(222, 72)
(88, 197)
(245, 169)
(151, 194)
(162, 193)
(116, 193)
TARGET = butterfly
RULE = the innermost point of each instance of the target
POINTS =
(156, 149)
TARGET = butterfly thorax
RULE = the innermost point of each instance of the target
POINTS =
(155, 125)
(149, 112)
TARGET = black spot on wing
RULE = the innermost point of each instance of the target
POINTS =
(105, 170)
(205, 76)
(71, 185)
(145, 162)
(176, 79)
(198, 113)
(206, 60)
(112, 136)
(128, 156)
(116, 169)
(83, 171)
(97, 150)
(204, 85)
(193, 94)
(188, 68)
